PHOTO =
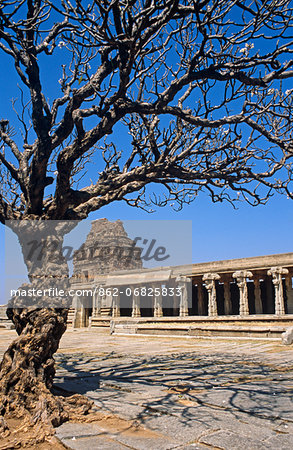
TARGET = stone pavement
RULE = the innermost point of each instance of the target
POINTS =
(167, 393)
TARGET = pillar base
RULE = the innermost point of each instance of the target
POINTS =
(158, 313)
(136, 313)
(116, 312)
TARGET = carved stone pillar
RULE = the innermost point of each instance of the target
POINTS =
(174, 299)
(200, 300)
(94, 306)
(276, 273)
(182, 285)
(257, 296)
(135, 302)
(115, 305)
(82, 315)
(75, 306)
(209, 279)
(158, 308)
(241, 277)
(227, 298)
(94, 303)
(97, 302)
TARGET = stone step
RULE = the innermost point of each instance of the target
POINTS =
(101, 321)
(259, 327)
(71, 318)
(249, 332)
(266, 329)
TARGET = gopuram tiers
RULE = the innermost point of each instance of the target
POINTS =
(107, 249)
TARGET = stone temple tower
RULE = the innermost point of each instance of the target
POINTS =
(106, 249)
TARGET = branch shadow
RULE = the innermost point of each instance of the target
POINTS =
(188, 388)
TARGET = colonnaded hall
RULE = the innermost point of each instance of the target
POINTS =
(239, 297)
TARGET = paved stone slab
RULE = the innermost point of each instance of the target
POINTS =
(195, 446)
(120, 407)
(260, 400)
(280, 442)
(146, 443)
(183, 430)
(231, 441)
(94, 443)
(75, 430)
(79, 436)
(249, 427)
(189, 394)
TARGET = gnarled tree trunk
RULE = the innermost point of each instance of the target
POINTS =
(27, 369)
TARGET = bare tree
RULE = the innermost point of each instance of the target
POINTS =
(201, 88)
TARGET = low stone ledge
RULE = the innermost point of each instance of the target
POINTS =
(265, 331)
(202, 319)
(287, 336)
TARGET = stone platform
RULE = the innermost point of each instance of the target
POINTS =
(253, 326)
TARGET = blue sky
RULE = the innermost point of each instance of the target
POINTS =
(221, 232)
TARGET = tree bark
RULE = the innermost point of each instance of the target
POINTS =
(27, 369)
